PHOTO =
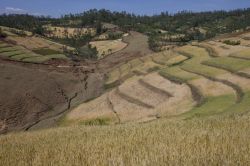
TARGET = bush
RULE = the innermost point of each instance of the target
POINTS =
(2, 34)
(88, 52)
(230, 42)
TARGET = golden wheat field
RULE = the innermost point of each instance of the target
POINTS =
(221, 140)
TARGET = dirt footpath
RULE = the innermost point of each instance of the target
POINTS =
(137, 47)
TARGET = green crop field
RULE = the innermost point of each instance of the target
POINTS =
(244, 54)
(46, 51)
(232, 64)
(212, 106)
(21, 54)
(37, 59)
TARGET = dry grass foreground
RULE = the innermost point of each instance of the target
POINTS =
(210, 141)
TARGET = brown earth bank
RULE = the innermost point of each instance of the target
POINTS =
(30, 93)
(34, 96)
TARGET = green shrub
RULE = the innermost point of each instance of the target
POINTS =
(2, 34)
(96, 122)
(88, 52)
(230, 42)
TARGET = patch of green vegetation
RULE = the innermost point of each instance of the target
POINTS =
(57, 56)
(114, 35)
(228, 63)
(244, 54)
(135, 63)
(177, 74)
(23, 56)
(176, 60)
(152, 69)
(11, 53)
(198, 55)
(243, 106)
(2, 34)
(88, 52)
(160, 59)
(96, 122)
(202, 69)
(3, 45)
(125, 69)
(231, 42)
(37, 59)
(112, 77)
(212, 106)
(46, 51)
(7, 49)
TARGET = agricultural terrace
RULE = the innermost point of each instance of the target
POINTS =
(138, 93)
(64, 32)
(19, 53)
(107, 47)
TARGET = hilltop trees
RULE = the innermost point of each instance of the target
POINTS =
(185, 25)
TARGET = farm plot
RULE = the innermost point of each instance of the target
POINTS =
(18, 31)
(138, 66)
(212, 90)
(41, 59)
(208, 101)
(12, 53)
(181, 97)
(20, 53)
(139, 91)
(138, 99)
(99, 108)
(176, 60)
(36, 43)
(244, 54)
(162, 57)
(63, 32)
(236, 81)
(228, 63)
(223, 49)
(108, 46)
(129, 110)
(112, 78)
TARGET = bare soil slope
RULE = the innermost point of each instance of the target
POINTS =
(30, 93)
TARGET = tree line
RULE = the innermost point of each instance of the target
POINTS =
(185, 23)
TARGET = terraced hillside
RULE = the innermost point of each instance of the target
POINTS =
(188, 96)
(187, 82)
(19, 53)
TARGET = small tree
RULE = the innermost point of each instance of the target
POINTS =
(2, 34)
(98, 28)
(39, 30)
(109, 51)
